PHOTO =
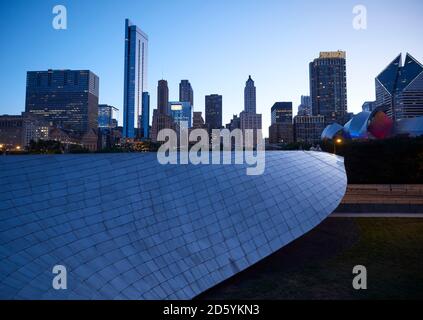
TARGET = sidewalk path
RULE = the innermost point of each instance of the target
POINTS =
(376, 215)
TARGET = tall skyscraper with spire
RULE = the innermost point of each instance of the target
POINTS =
(135, 78)
(250, 96)
(249, 119)
(162, 118)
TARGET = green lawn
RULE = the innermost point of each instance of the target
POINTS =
(319, 265)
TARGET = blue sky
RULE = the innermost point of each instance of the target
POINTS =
(215, 44)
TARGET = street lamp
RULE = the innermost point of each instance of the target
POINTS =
(337, 141)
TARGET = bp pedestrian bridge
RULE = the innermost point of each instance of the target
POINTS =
(126, 227)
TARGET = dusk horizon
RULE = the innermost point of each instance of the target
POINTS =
(215, 55)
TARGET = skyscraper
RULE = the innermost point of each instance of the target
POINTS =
(306, 101)
(181, 112)
(328, 86)
(399, 89)
(308, 128)
(186, 94)
(304, 109)
(11, 131)
(105, 115)
(281, 130)
(162, 116)
(249, 119)
(214, 111)
(198, 121)
(282, 112)
(250, 96)
(145, 117)
(163, 97)
(135, 81)
(368, 106)
(235, 123)
(66, 98)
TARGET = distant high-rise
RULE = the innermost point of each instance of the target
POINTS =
(198, 121)
(308, 129)
(66, 98)
(162, 118)
(181, 112)
(249, 119)
(250, 96)
(235, 123)
(163, 97)
(135, 81)
(281, 129)
(399, 89)
(145, 117)
(105, 115)
(214, 111)
(368, 106)
(186, 94)
(282, 112)
(328, 86)
(11, 131)
(304, 109)
(306, 101)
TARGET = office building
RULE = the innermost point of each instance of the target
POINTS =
(66, 98)
(399, 89)
(281, 129)
(282, 112)
(135, 78)
(308, 128)
(328, 86)
(305, 109)
(181, 112)
(161, 116)
(235, 123)
(281, 133)
(250, 96)
(214, 111)
(250, 121)
(163, 97)
(145, 117)
(198, 120)
(186, 94)
(11, 131)
(35, 128)
(369, 106)
(106, 114)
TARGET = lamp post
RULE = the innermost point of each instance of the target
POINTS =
(337, 141)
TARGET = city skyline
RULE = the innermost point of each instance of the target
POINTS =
(201, 60)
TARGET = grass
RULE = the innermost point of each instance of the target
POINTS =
(319, 265)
